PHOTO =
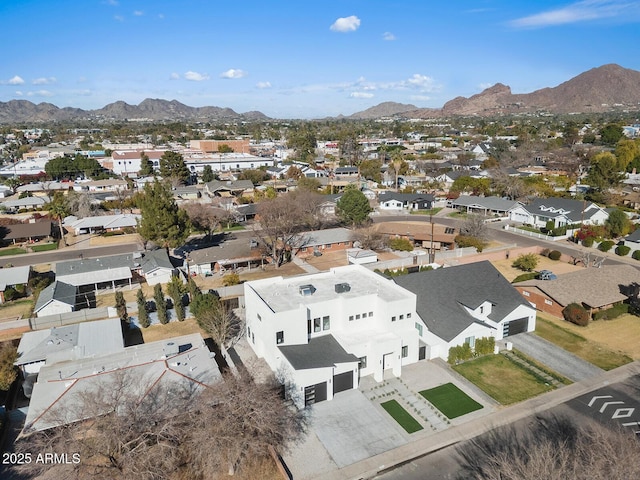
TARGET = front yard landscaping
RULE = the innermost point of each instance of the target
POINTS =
(607, 344)
(502, 379)
(45, 247)
(4, 252)
(450, 400)
(401, 416)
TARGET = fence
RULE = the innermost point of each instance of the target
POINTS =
(542, 236)
(59, 320)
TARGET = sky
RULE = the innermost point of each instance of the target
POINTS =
(303, 59)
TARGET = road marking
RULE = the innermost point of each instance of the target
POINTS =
(606, 404)
(623, 413)
(593, 399)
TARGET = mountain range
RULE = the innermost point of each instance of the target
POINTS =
(597, 90)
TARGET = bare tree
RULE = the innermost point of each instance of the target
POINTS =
(206, 217)
(474, 226)
(551, 448)
(216, 319)
(370, 238)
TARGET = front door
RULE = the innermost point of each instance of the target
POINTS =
(387, 361)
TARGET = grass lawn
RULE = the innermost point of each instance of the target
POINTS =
(44, 247)
(433, 211)
(11, 251)
(16, 308)
(401, 416)
(450, 400)
(170, 330)
(502, 379)
(589, 350)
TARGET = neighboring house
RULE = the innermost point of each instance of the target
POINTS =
(102, 272)
(230, 254)
(236, 188)
(593, 288)
(358, 256)
(421, 233)
(461, 304)
(107, 185)
(29, 232)
(402, 201)
(156, 267)
(56, 345)
(224, 162)
(484, 205)
(189, 192)
(26, 203)
(561, 211)
(128, 163)
(633, 240)
(324, 331)
(104, 223)
(328, 240)
(12, 277)
(57, 298)
(345, 171)
(180, 363)
(328, 206)
(246, 212)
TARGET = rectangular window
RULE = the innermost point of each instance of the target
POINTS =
(259, 317)
(419, 328)
(401, 317)
(481, 310)
(362, 362)
(471, 341)
(248, 331)
(371, 314)
(409, 315)
(253, 338)
(526, 294)
(358, 317)
(326, 323)
(309, 326)
(279, 337)
(405, 351)
(364, 315)
(393, 319)
(316, 324)
(449, 231)
(351, 318)
(548, 302)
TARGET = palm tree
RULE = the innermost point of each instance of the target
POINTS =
(58, 210)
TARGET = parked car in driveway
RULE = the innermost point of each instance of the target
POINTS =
(547, 275)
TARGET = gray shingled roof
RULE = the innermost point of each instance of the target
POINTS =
(595, 287)
(324, 351)
(28, 230)
(496, 204)
(442, 293)
(60, 291)
(573, 208)
(154, 260)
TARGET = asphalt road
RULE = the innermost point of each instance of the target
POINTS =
(68, 254)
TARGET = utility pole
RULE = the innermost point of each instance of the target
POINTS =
(432, 253)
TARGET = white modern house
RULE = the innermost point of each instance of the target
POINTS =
(321, 332)
(562, 211)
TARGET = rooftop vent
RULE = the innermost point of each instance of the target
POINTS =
(306, 290)
(171, 348)
(342, 287)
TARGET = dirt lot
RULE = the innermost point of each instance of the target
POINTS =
(170, 330)
(620, 334)
(95, 241)
(557, 267)
(338, 259)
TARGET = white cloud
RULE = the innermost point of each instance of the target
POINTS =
(582, 11)
(19, 93)
(263, 85)
(195, 76)
(346, 24)
(361, 95)
(40, 93)
(118, 18)
(233, 73)
(174, 76)
(138, 13)
(113, 3)
(17, 80)
(388, 36)
(421, 82)
(44, 81)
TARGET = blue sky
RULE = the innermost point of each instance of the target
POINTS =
(303, 59)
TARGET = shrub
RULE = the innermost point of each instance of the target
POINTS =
(588, 242)
(622, 250)
(526, 262)
(524, 277)
(466, 241)
(10, 293)
(161, 304)
(576, 313)
(460, 353)
(556, 232)
(545, 252)
(143, 315)
(485, 345)
(554, 255)
(636, 255)
(611, 313)
(401, 244)
(231, 279)
(606, 245)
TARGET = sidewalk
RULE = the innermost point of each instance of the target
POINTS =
(371, 466)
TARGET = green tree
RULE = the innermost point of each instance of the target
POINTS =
(8, 371)
(215, 319)
(121, 307)
(162, 221)
(224, 148)
(146, 166)
(311, 184)
(371, 170)
(526, 262)
(611, 134)
(161, 304)
(603, 171)
(256, 176)
(175, 289)
(353, 207)
(618, 224)
(207, 174)
(173, 168)
(143, 315)
(58, 209)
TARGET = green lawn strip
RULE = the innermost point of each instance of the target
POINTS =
(502, 379)
(401, 416)
(540, 366)
(44, 247)
(433, 211)
(11, 251)
(580, 346)
(450, 400)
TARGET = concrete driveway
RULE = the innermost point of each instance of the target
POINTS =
(554, 357)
